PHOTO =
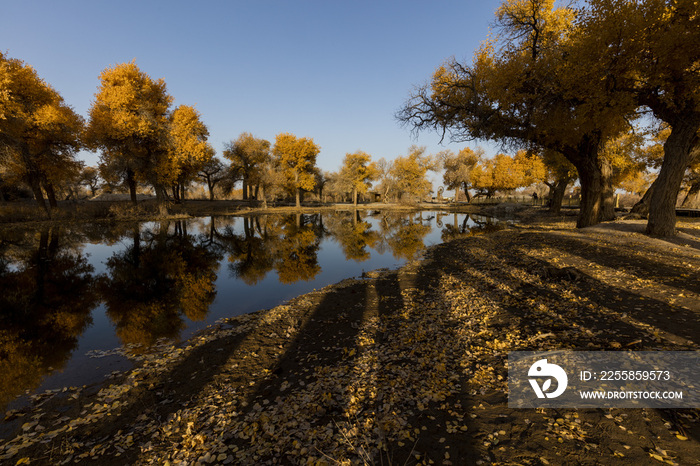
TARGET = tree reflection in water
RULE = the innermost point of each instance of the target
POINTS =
(288, 244)
(162, 276)
(47, 294)
(353, 234)
(403, 233)
(165, 275)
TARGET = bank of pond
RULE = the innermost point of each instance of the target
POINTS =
(71, 295)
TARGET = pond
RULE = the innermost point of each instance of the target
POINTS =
(70, 295)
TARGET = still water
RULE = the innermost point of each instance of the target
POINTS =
(68, 294)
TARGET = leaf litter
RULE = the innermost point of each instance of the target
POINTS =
(400, 367)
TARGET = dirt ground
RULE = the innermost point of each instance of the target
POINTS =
(403, 366)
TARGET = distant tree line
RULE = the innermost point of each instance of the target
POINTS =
(606, 93)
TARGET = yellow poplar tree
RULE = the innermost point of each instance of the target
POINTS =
(559, 172)
(458, 169)
(649, 50)
(190, 150)
(249, 156)
(358, 172)
(297, 158)
(129, 123)
(409, 173)
(39, 133)
(526, 87)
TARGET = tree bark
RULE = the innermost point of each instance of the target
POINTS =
(595, 173)
(556, 195)
(597, 204)
(692, 197)
(677, 156)
(245, 189)
(607, 195)
(354, 196)
(642, 205)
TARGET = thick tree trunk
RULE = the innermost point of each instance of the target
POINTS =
(642, 205)
(556, 195)
(182, 192)
(692, 197)
(607, 195)
(354, 196)
(677, 156)
(597, 204)
(245, 189)
(298, 197)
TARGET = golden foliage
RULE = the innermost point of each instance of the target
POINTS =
(409, 173)
(358, 172)
(297, 157)
(190, 150)
(129, 123)
(39, 133)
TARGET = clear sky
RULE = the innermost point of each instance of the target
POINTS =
(334, 71)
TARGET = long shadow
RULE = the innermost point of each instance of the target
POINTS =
(521, 316)
(326, 335)
(628, 259)
(151, 398)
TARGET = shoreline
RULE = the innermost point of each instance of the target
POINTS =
(333, 352)
(24, 215)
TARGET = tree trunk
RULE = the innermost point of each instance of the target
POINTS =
(607, 195)
(692, 197)
(131, 181)
(39, 195)
(597, 204)
(466, 193)
(161, 195)
(556, 195)
(298, 197)
(354, 196)
(245, 189)
(677, 156)
(50, 194)
(642, 205)
(210, 185)
(182, 192)
(262, 194)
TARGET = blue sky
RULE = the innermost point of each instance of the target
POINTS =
(334, 71)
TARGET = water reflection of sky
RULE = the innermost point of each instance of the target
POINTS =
(328, 249)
